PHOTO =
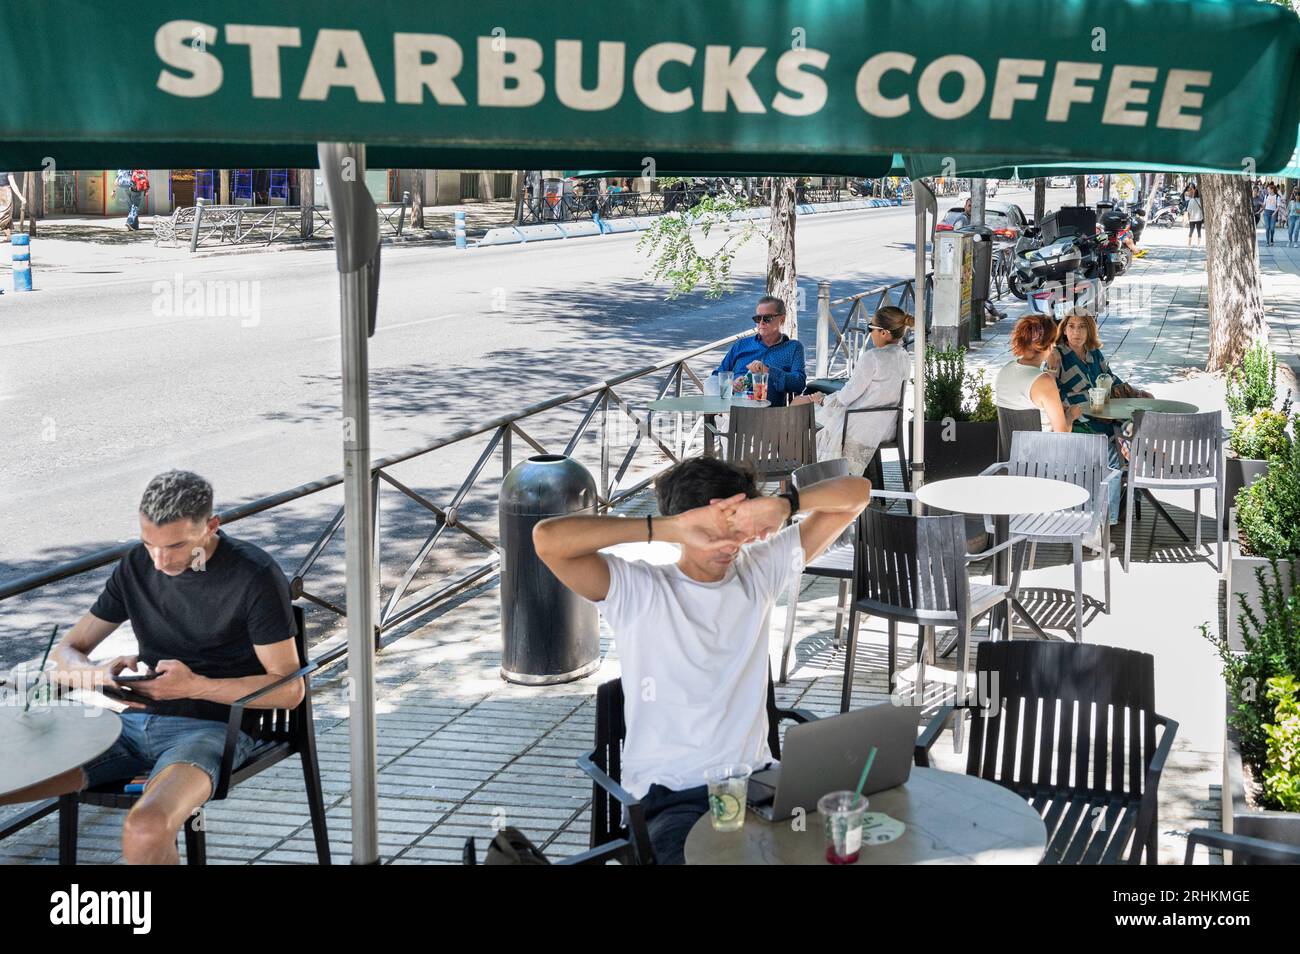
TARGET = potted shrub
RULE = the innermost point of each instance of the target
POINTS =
(1258, 431)
(961, 421)
(1263, 527)
(1261, 757)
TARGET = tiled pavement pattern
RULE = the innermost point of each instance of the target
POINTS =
(461, 752)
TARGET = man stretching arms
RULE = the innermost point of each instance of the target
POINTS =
(692, 636)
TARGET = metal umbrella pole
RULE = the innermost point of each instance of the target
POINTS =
(923, 200)
(356, 247)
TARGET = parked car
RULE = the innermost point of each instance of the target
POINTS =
(1059, 182)
(1006, 219)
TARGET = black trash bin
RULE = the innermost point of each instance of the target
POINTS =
(981, 274)
(550, 634)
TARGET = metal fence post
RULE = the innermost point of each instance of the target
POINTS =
(604, 444)
(823, 328)
(198, 221)
(401, 216)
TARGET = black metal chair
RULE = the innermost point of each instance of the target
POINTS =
(774, 441)
(1245, 849)
(836, 562)
(1071, 728)
(914, 570)
(280, 733)
(616, 814)
(1010, 421)
(876, 466)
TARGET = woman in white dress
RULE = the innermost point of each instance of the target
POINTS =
(877, 380)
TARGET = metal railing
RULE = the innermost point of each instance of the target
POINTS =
(604, 405)
(203, 224)
(841, 339)
(575, 207)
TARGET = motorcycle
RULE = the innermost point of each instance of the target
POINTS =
(1166, 216)
(1069, 258)
(1112, 229)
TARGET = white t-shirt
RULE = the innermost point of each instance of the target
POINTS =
(695, 662)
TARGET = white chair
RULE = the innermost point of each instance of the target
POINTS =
(1079, 459)
(1177, 452)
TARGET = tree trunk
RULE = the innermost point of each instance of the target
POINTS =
(1236, 302)
(521, 183)
(1080, 190)
(781, 275)
(1040, 200)
(417, 199)
(306, 199)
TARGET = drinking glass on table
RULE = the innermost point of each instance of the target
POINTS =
(711, 384)
(728, 795)
(841, 814)
(760, 385)
(1097, 398)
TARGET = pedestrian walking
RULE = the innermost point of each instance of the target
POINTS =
(1293, 219)
(1195, 216)
(136, 184)
(1272, 212)
(6, 204)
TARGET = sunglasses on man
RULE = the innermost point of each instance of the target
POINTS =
(767, 319)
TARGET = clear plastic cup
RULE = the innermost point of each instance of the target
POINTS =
(711, 384)
(1097, 398)
(841, 814)
(760, 386)
(728, 795)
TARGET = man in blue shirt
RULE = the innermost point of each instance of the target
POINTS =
(770, 351)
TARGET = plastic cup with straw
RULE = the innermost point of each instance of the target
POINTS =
(31, 692)
(842, 814)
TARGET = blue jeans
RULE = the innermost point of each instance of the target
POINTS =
(135, 199)
(670, 816)
(150, 743)
(1270, 223)
(1293, 228)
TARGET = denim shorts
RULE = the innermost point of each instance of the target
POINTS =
(150, 743)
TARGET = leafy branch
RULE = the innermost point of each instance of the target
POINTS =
(673, 243)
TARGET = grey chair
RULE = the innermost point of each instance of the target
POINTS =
(1013, 421)
(836, 562)
(1079, 459)
(775, 441)
(914, 570)
(1177, 452)
(876, 467)
(1245, 849)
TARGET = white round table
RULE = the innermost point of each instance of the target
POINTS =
(48, 740)
(1002, 498)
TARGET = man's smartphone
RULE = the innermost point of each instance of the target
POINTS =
(126, 677)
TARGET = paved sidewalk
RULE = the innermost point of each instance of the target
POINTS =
(461, 752)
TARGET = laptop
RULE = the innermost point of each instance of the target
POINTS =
(828, 756)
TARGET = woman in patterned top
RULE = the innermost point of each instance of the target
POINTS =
(1078, 362)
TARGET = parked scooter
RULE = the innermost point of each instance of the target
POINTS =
(1071, 256)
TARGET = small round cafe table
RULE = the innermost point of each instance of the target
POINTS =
(1002, 498)
(949, 819)
(1123, 409)
(48, 740)
(707, 404)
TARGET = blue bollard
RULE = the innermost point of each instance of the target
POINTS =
(460, 228)
(22, 253)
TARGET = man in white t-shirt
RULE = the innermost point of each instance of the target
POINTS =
(692, 635)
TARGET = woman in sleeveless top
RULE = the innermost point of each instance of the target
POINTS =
(877, 380)
(1022, 384)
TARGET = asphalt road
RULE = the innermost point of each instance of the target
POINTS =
(105, 381)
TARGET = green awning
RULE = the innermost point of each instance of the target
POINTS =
(727, 86)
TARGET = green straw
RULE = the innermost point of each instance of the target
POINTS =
(862, 782)
(44, 658)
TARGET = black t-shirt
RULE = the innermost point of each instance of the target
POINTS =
(209, 619)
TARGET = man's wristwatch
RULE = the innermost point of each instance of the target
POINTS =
(792, 495)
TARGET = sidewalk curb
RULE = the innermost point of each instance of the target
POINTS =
(522, 234)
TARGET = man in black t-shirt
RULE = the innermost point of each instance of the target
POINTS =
(212, 616)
